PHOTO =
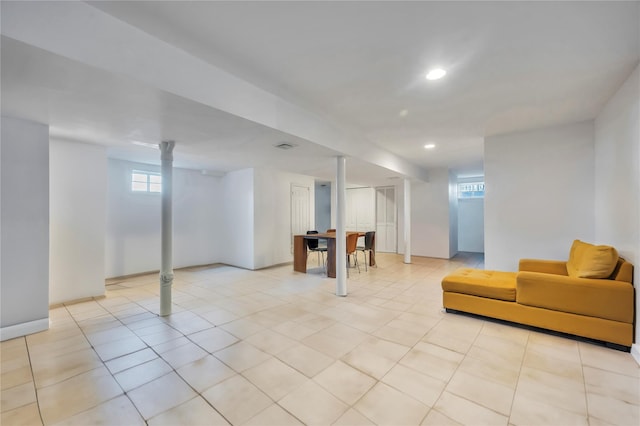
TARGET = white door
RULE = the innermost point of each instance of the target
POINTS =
(386, 220)
(300, 211)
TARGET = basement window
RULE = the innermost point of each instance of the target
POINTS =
(471, 190)
(146, 182)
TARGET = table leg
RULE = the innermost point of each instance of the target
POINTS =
(299, 254)
(331, 257)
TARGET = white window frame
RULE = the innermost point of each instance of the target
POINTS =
(481, 188)
(149, 186)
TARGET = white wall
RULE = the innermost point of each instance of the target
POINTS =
(617, 177)
(237, 232)
(453, 215)
(78, 204)
(471, 225)
(133, 221)
(539, 194)
(24, 227)
(430, 216)
(272, 215)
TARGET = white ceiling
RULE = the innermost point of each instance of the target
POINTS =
(511, 66)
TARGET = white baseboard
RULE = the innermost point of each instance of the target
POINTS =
(23, 329)
(635, 352)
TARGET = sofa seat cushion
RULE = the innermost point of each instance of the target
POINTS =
(478, 282)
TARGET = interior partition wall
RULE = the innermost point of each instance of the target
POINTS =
(386, 220)
(24, 227)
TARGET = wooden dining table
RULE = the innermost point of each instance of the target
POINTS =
(300, 251)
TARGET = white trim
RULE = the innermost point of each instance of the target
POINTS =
(23, 329)
(635, 352)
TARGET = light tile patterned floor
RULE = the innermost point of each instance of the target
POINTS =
(275, 347)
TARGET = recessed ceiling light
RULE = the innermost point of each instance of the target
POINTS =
(436, 74)
(403, 113)
(430, 146)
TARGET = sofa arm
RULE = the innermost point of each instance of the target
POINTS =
(600, 298)
(557, 267)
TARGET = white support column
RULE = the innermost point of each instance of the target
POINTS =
(407, 220)
(341, 236)
(166, 270)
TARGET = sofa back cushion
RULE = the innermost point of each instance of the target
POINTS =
(591, 261)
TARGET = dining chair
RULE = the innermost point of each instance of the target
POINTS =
(352, 242)
(369, 241)
(313, 245)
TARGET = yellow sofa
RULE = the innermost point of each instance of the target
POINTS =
(590, 295)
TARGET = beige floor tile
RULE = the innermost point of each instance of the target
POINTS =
(400, 336)
(160, 395)
(511, 332)
(548, 388)
(384, 405)
(436, 418)
(484, 392)
(612, 410)
(552, 361)
(110, 335)
(56, 348)
(329, 345)
(419, 386)
(159, 334)
(127, 361)
(456, 342)
(237, 399)
(430, 364)
(118, 348)
(77, 394)
(242, 356)
(275, 378)
(16, 376)
(47, 371)
(219, 316)
(117, 411)
(144, 373)
(294, 330)
(619, 386)
(464, 411)
(242, 328)
(608, 359)
(213, 339)
(554, 347)
(17, 396)
(306, 360)
(183, 355)
(161, 348)
(273, 416)
(527, 411)
(345, 382)
(492, 370)
(369, 362)
(271, 342)
(27, 415)
(353, 418)
(205, 373)
(385, 348)
(313, 405)
(193, 412)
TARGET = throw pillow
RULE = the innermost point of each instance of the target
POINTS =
(598, 262)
